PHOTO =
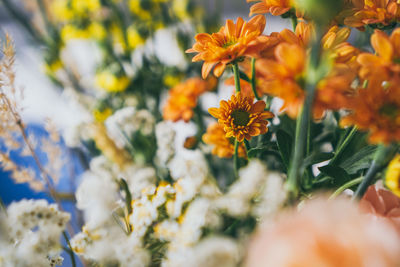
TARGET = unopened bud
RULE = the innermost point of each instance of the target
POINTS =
(321, 11)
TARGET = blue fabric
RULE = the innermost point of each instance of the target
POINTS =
(11, 191)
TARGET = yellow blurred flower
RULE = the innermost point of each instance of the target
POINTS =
(97, 31)
(110, 82)
(392, 179)
(61, 10)
(170, 80)
(134, 37)
(180, 9)
(69, 32)
(137, 9)
(53, 67)
(85, 6)
(102, 115)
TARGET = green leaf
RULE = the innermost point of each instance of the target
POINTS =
(316, 157)
(339, 175)
(284, 141)
(243, 76)
(359, 161)
(253, 152)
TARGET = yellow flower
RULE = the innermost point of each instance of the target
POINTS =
(110, 82)
(53, 67)
(97, 31)
(134, 37)
(241, 118)
(137, 9)
(85, 6)
(180, 9)
(102, 115)
(171, 80)
(61, 10)
(69, 32)
(392, 179)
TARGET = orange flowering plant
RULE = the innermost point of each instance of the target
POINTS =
(199, 131)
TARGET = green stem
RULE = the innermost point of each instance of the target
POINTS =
(268, 102)
(70, 251)
(236, 159)
(237, 76)
(293, 18)
(382, 157)
(200, 121)
(303, 120)
(128, 196)
(346, 186)
(343, 145)
(247, 144)
(253, 78)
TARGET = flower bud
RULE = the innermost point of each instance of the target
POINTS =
(321, 11)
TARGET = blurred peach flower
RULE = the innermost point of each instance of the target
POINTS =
(325, 233)
(383, 204)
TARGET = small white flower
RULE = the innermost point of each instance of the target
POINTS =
(30, 234)
(166, 230)
(165, 135)
(97, 196)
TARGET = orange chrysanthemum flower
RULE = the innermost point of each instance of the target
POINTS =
(283, 76)
(275, 7)
(232, 42)
(377, 109)
(334, 92)
(301, 36)
(183, 98)
(386, 62)
(365, 12)
(223, 146)
(241, 117)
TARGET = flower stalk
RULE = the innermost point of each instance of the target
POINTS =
(236, 74)
(303, 120)
(383, 155)
(253, 78)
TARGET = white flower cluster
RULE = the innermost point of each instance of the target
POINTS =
(174, 215)
(30, 234)
(165, 135)
(126, 121)
(103, 239)
(254, 183)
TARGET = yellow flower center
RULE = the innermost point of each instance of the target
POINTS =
(229, 43)
(240, 117)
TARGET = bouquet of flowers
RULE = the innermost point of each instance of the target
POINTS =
(235, 148)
